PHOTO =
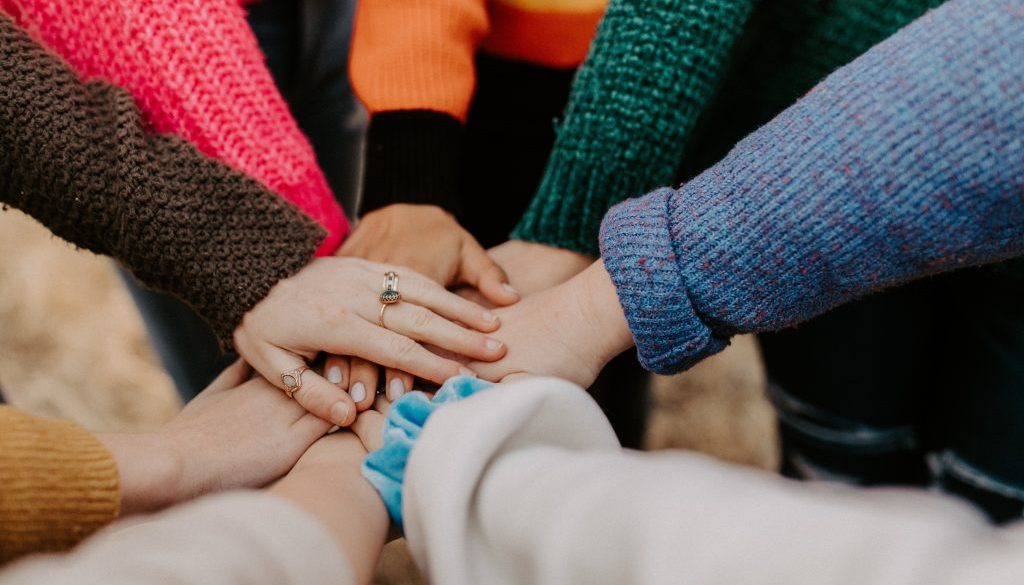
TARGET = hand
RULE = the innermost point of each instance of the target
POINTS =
(333, 305)
(235, 434)
(533, 267)
(327, 483)
(429, 240)
(570, 331)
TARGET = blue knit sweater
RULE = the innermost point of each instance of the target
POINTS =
(905, 163)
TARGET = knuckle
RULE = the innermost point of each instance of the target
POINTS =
(404, 348)
(422, 319)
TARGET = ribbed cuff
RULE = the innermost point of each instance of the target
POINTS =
(636, 246)
(60, 485)
(572, 199)
(385, 467)
(412, 156)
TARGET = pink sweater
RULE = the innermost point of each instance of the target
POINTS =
(195, 70)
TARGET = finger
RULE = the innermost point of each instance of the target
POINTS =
(382, 405)
(364, 382)
(396, 384)
(424, 325)
(311, 427)
(336, 370)
(233, 375)
(422, 291)
(368, 428)
(392, 350)
(481, 272)
(315, 394)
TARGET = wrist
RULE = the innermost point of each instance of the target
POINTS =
(605, 321)
(149, 471)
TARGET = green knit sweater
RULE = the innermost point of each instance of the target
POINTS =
(666, 78)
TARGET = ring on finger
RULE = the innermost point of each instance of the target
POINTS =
(389, 294)
(292, 380)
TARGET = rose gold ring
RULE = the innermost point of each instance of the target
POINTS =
(389, 291)
(292, 380)
(389, 294)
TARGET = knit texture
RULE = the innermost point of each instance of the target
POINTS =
(76, 157)
(651, 69)
(908, 162)
(418, 54)
(195, 69)
(403, 425)
(657, 68)
(59, 484)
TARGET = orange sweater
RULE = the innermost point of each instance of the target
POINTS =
(418, 54)
(58, 484)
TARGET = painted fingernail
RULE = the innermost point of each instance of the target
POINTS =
(358, 392)
(334, 375)
(339, 413)
(467, 372)
(396, 389)
(508, 288)
(490, 317)
(493, 344)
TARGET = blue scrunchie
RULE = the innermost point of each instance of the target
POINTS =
(385, 467)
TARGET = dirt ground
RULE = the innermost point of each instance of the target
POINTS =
(73, 346)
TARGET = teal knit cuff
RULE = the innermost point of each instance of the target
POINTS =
(385, 467)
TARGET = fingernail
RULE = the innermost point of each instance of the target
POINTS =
(334, 375)
(493, 344)
(490, 317)
(358, 392)
(339, 413)
(467, 372)
(397, 389)
(508, 288)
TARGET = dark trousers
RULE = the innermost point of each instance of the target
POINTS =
(923, 385)
(306, 45)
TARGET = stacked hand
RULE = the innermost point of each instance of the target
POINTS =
(333, 305)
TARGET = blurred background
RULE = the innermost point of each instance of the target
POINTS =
(73, 346)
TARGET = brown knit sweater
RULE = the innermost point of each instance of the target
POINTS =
(58, 484)
(75, 156)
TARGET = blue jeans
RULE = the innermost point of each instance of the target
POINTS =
(306, 44)
(923, 386)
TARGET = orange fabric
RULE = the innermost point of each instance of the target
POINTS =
(552, 39)
(418, 54)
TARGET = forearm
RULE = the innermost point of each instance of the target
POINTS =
(59, 484)
(412, 68)
(77, 159)
(651, 70)
(905, 163)
(238, 538)
(344, 503)
(195, 70)
(543, 495)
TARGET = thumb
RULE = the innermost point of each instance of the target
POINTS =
(483, 273)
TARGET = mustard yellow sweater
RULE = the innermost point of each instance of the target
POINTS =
(58, 484)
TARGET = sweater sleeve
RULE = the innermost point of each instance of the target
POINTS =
(905, 163)
(196, 70)
(652, 69)
(236, 538)
(542, 495)
(76, 158)
(58, 486)
(412, 67)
